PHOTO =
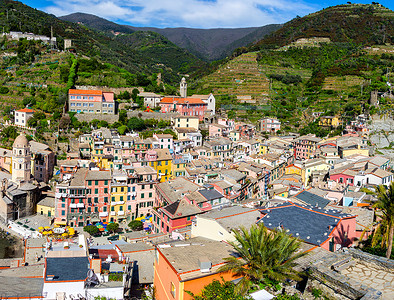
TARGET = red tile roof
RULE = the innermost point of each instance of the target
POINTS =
(27, 110)
(182, 100)
(85, 92)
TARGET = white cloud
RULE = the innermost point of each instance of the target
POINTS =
(186, 13)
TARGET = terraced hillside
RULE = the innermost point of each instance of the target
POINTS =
(33, 79)
(343, 83)
(240, 77)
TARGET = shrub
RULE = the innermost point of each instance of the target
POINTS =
(4, 90)
(136, 225)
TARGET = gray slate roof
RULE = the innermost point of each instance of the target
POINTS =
(306, 223)
(312, 199)
(67, 268)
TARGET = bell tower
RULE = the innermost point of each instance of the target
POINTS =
(183, 88)
(21, 160)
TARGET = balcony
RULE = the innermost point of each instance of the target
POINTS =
(80, 205)
(113, 213)
(73, 205)
(103, 214)
(121, 213)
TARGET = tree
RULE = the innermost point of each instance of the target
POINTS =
(113, 227)
(91, 229)
(135, 123)
(265, 255)
(385, 204)
(219, 290)
(136, 225)
(9, 132)
(122, 129)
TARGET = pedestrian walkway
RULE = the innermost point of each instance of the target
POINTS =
(379, 279)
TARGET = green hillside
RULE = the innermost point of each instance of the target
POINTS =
(358, 23)
(15, 16)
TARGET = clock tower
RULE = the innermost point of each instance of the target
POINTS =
(21, 160)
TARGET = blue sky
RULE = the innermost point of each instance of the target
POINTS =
(191, 13)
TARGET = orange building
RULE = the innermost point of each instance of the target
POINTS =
(189, 266)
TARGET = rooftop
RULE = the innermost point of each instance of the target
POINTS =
(67, 268)
(310, 224)
(184, 256)
(312, 199)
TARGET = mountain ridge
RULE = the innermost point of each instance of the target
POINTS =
(208, 44)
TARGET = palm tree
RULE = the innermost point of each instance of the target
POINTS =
(262, 255)
(385, 204)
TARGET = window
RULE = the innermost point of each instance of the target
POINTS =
(89, 182)
(143, 187)
(172, 288)
(150, 195)
(142, 196)
(105, 190)
(96, 191)
(105, 199)
(112, 208)
(106, 182)
(104, 209)
(96, 209)
(95, 199)
(96, 182)
(112, 199)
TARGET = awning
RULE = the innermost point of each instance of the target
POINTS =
(64, 223)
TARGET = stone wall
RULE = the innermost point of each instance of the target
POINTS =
(377, 261)
(152, 115)
(90, 117)
(108, 89)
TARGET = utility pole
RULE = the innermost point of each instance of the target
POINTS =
(51, 38)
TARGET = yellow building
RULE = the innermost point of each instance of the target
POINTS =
(118, 202)
(263, 149)
(162, 164)
(360, 150)
(46, 206)
(186, 122)
(329, 121)
(104, 162)
(313, 165)
(293, 169)
(235, 135)
(178, 167)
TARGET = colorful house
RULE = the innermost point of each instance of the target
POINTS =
(189, 267)
(192, 107)
(174, 216)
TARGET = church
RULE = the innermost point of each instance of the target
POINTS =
(19, 191)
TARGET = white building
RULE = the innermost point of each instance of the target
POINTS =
(269, 125)
(165, 141)
(22, 115)
(209, 100)
(150, 99)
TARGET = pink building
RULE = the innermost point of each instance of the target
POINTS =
(192, 107)
(174, 216)
(305, 146)
(141, 191)
(345, 177)
(84, 199)
(91, 101)
(218, 130)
